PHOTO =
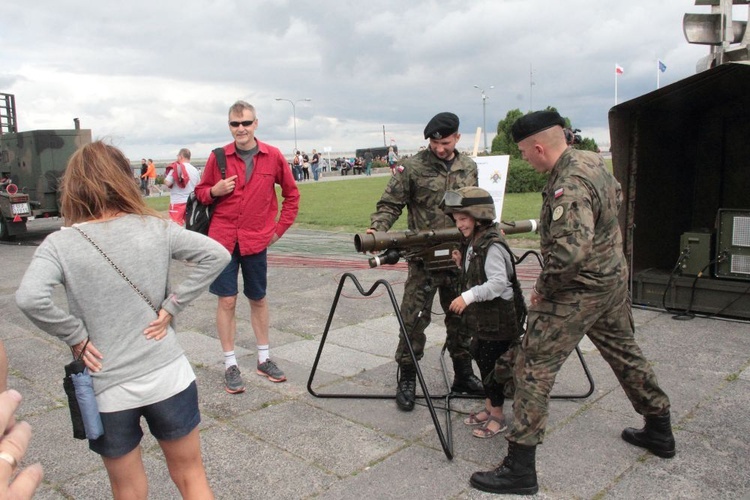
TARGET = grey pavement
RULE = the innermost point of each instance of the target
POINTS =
(277, 440)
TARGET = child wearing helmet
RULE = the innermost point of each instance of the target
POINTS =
(486, 303)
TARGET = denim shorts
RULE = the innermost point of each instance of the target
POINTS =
(254, 269)
(170, 419)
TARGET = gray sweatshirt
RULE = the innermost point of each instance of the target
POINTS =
(102, 305)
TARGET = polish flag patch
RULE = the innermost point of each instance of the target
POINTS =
(558, 193)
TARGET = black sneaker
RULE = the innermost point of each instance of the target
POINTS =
(233, 380)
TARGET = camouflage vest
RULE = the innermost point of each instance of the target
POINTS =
(497, 319)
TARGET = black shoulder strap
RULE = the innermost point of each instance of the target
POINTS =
(504, 243)
(513, 260)
(221, 160)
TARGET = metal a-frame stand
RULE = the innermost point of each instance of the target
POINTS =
(446, 438)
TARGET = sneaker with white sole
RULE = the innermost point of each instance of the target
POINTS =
(271, 371)
(233, 380)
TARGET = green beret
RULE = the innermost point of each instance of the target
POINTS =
(441, 125)
(535, 122)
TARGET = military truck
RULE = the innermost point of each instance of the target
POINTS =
(31, 165)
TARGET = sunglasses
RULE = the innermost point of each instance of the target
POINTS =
(246, 123)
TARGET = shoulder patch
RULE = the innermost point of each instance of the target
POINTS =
(557, 213)
(558, 193)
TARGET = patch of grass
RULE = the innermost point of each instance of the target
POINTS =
(160, 203)
(342, 205)
(346, 205)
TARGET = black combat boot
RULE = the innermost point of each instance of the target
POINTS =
(464, 379)
(515, 476)
(407, 387)
(656, 436)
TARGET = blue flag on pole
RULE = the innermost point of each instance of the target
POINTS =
(662, 66)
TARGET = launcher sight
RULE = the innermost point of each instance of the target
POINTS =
(433, 246)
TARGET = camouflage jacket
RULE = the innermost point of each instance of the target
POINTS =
(420, 188)
(581, 241)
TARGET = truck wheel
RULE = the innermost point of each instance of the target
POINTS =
(4, 235)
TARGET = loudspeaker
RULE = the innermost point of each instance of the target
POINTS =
(733, 244)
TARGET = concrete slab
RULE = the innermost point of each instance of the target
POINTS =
(331, 442)
(422, 474)
(278, 439)
(249, 467)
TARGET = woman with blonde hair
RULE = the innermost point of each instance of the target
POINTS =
(119, 315)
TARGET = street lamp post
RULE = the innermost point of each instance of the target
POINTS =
(294, 115)
(484, 113)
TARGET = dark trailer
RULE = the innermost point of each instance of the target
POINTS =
(682, 155)
(381, 151)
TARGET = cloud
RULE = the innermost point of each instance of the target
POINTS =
(156, 76)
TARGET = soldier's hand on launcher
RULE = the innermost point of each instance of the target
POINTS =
(456, 256)
(371, 231)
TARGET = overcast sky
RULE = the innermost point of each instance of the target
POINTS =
(154, 76)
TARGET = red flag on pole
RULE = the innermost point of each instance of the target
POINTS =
(619, 69)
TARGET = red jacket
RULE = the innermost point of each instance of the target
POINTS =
(248, 215)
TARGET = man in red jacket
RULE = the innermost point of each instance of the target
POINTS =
(246, 221)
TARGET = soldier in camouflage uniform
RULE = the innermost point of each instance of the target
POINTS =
(420, 186)
(582, 290)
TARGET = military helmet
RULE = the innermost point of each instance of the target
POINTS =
(471, 200)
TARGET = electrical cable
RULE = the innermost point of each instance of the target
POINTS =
(687, 314)
(730, 303)
(675, 271)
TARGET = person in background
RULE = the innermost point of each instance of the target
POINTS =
(152, 174)
(581, 290)
(420, 188)
(125, 336)
(358, 165)
(368, 162)
(144, 177)
(246, 221)
(305, 167)
(297, 166)
(488, 289)
(315, 164)
(392, 159)
(345, 166)
(181, 178)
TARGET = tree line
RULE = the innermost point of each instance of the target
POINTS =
(521, 177)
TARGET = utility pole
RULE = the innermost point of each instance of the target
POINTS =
(531, 88)
(484, 113)
(294, 115)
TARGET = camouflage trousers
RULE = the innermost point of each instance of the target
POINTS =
(554, 330)
(416, 311)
